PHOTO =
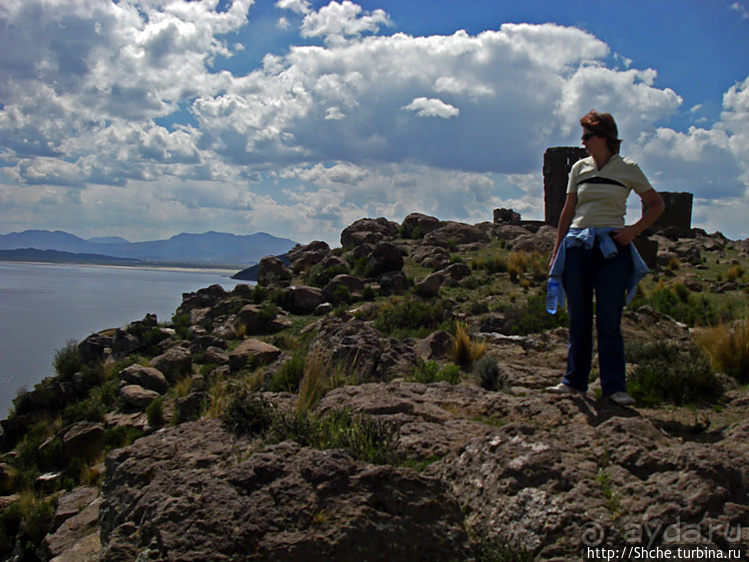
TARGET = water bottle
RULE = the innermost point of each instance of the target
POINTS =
(552, 296)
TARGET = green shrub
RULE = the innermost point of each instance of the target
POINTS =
(181, 323)
(10, 522)
(155, 412)
(408, 317)
(68, 361)
(369, 439)
(88, 409)
(319, 276)
(489, 374)
(248, 414)
(120, 436)
(531, 317)
(692, 310)
(431, 371)
(665, 373)
(291, 373)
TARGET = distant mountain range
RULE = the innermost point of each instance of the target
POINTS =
(215, 249)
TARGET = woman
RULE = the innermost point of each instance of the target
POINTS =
(593, 254)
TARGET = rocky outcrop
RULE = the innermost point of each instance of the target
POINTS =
(285, 503)
(504, 464)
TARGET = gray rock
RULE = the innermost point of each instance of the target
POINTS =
(436, 345)
(417, 225)
(253, 351)
(301, 299)
(433, 257)
(353, 284)
(309, 255)
(273, 271)
(430, 285)
(174, 363)
(333, 508)
(386, 257)
(455, 233)
(369, 231)
(83, 440)
(147, 377)
(216, 356)
(137, 396)
(75, 535)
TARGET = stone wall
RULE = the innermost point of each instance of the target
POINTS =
(678, 213)
(557, 164)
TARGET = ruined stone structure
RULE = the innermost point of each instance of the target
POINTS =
(678, 213)
(558, 162)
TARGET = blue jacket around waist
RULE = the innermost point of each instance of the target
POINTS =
(586, 238)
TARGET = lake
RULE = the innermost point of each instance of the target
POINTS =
(42, 307)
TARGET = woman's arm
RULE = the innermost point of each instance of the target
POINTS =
(655, 205)
(565, 219)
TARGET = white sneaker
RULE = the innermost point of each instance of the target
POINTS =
(622, 399)
(565, 389)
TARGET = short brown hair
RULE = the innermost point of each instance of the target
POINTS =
(603, 125)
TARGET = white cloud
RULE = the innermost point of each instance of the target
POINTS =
(432, 107)
(739, 7)
(93, 95)
(337, 20)
(298, 6)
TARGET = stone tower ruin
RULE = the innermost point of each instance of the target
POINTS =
(558, 162)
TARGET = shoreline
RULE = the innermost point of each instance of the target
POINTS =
(188, 268)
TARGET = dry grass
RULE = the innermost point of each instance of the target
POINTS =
(727, 348)
(517, 263)
(320, 377)
(465, 350)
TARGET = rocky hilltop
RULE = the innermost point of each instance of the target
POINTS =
(384, 401)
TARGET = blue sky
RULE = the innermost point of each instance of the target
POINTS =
(144, 119)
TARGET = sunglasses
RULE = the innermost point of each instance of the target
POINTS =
(588, 136)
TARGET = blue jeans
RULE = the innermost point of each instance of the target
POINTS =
(586, 273)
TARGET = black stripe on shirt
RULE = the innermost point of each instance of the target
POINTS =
(600, 180)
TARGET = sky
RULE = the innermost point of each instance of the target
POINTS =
(145, 119)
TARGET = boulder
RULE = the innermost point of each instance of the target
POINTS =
(83, 440)
(301, 299)
(147, 377)
(333, 507)
(393, 283)
(436, 345)
(360, 350)
(76, 528)
(369, 231)
(542, 241)
(433, 257)
(455, 233)
(386, 257)
(352, 284)
(137, 396)
(273, 271)
(124, 343)
(95, 346)
(252, 318)
(456, 272)
(417, 225)
(430, 285)
(174, 363)
(304, 257)
(253, 351)
(216, 356)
